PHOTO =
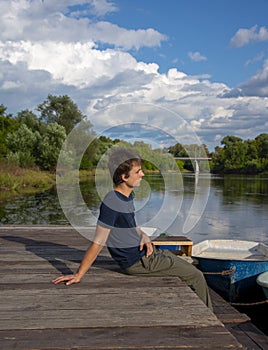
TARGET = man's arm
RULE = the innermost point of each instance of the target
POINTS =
(91, 254)
(145, 241)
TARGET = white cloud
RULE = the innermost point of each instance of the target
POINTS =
(124, 38)
(244, 36)
(102, 7)
(257, 85)
(71, 63)
(256, 58)
(196, 56)
(50, 20)
(47, 50)
(100, 79)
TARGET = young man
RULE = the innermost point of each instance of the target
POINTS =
(128, 245)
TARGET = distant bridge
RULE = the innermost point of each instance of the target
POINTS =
(192, 158)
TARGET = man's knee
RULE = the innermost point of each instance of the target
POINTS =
(200, 275)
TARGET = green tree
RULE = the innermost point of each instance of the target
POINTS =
(234, 154)
(61, 110)
(50, 146)
(262, 145)
(252, 164)
(97, 148)
(218, 158)
(21, 145)
(81, 144)
(8, 124)
(178, 150)
(238, 156)
(30, 120)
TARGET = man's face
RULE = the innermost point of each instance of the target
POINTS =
(135, 176)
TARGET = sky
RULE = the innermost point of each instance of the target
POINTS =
(181, 70)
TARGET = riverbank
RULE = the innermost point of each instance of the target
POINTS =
(16, 181)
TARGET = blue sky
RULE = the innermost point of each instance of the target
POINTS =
(201, 64)
(199, 35)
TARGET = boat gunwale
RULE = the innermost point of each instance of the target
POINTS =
(208, 244)
(261, 282)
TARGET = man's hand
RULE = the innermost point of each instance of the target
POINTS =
(92, 252)
(68, 279)
(145, 242)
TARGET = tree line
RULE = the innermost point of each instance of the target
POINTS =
(234, 156)
(29, 139)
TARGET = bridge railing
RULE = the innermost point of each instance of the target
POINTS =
(192, 158)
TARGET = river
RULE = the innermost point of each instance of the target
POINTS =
(226, 207)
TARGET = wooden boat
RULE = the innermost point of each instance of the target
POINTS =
(231, 267)
(262, 280)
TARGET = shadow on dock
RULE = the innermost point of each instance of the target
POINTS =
(56, 254)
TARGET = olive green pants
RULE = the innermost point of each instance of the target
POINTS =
(163, 263)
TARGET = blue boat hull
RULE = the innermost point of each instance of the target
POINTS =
(234, 280)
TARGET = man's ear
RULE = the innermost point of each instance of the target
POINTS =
(124, 177)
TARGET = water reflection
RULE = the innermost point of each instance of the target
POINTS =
(39, 208)
(236, 209)
(237, 188)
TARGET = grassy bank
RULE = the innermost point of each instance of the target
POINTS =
(15, 180)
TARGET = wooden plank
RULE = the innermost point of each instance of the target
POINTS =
(164, 338)
(249, 335)
(142, 304)
(238, 324)
(52, 234)
(182, 241)
(226, 312)
(77, 300)
(172, 240)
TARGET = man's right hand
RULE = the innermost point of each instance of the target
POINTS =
(68, 279)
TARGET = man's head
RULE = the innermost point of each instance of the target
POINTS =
(121, 161)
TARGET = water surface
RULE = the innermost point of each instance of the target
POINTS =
(236, 206)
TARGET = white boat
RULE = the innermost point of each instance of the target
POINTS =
(231, 267)
(262, 280)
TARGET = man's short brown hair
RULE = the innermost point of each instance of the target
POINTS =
(121, 161)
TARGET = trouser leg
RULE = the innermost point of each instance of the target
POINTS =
(164, 263)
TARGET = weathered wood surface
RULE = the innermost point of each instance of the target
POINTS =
(239, 324)
(107, 310)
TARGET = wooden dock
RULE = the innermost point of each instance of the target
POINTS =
(107, 310)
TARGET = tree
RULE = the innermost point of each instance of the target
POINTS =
(81, 144)
(61, 110)
(238, 156)
(50, 146)
(262, 145)
(234, 154)
(21, 145)
(30, 120)
(178, 150)
(7, 125)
